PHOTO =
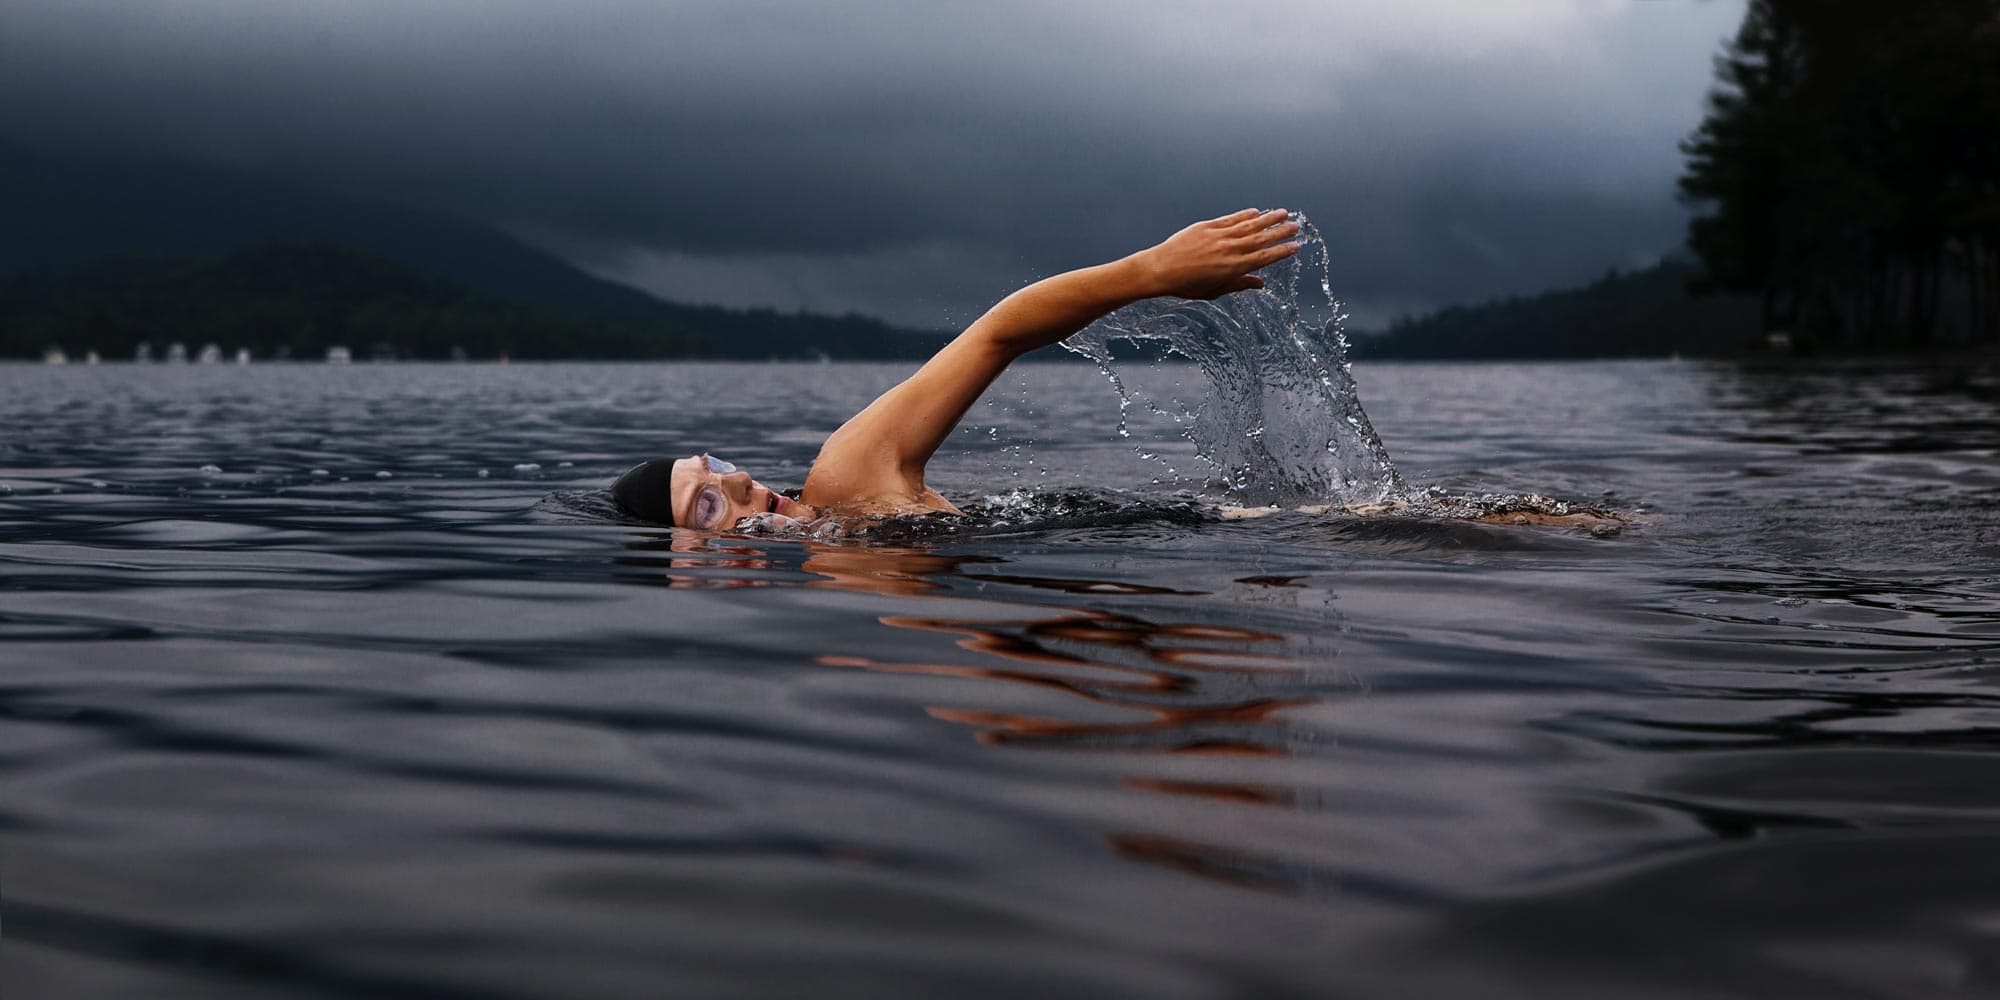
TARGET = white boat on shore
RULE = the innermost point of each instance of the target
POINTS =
(338, 355)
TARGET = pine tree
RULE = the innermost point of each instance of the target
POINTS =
(1850, 169)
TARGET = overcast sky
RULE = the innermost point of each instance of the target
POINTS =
(918, 158)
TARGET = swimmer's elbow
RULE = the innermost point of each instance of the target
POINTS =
(994, 345)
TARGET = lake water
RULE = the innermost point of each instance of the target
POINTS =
(376, 706)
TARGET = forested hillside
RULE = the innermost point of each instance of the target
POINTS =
(1647, 313)
(296, 299)
(120, 228)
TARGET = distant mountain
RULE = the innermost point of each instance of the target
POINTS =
(297, 299)
(1646, 313)
(59, 215)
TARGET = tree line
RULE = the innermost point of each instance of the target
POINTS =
(1847, 173)
(1646, 313)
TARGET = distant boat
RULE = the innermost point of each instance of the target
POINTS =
(338, 355)
(54, 356)
(177, 353)
(457, 353)
(210, 354)
(143, 354)
(242, 355)
(91, 357)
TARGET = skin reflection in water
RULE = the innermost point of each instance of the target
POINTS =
(697, 561)
(1180, 719)
(1192, 689)
(1125, 662)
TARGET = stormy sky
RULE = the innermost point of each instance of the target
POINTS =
(917, 158)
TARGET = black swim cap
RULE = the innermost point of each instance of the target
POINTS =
(646, 491)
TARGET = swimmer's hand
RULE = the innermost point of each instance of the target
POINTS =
(1214, 258)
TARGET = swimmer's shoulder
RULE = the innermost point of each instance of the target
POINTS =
(856, 473)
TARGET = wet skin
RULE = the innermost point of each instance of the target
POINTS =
(717, 501)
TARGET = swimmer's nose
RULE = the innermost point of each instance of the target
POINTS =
(737, 485)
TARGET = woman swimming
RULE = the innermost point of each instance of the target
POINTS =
(874, 464)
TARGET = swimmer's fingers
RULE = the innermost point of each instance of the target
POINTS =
(1255, 225)
(1272, 254)
(1272, 245)
(1233, 219)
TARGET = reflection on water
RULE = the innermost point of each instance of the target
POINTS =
(1194, 687)
(1149, 687)
(297, 729)
(1872, 408)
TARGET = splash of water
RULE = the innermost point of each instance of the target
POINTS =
(1281, 421)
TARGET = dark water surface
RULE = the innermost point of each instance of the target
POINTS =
(422, 726)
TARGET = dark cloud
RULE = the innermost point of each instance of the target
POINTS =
(912, 158)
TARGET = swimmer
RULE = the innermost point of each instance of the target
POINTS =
(874, 463)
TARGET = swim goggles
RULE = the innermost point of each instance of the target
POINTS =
(709, 507)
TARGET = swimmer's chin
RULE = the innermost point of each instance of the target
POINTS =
(795, 509)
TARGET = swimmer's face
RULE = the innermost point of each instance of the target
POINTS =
(713, 495)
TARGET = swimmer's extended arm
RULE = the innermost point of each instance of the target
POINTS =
(897, 434)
